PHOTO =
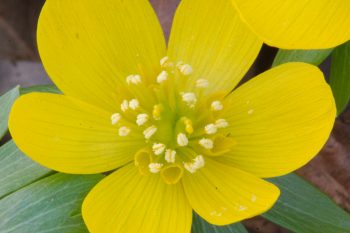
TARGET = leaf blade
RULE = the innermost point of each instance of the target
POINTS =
(199, 225)
(340, 76)
(47, 205)
(6, 102)
(304, 209)
(315, 57)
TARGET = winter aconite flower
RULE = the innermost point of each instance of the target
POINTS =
(297, 24)
(164, 120)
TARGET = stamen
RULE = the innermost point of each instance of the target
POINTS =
(141, 119)
(124, 105)
(210, 129)
(134, 79)
(188, 125)
(206, 143)
(197, 163)
(157, 110)
(115, 118)
(155, 167)
(202, 83)
(216, 106)
(148, 133)
(165, 62)
(124, 131)
(221, 123)
(170, 155)
(158, 148)
(185, 69)
(190, 98)
(163, 76)
(182, 139)
(134, 104)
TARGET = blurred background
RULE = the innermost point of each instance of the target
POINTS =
(20, 65)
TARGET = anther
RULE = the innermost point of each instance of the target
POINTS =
(141, 119)
(148, 133)
(216, 105)
(134, 104)
(206, 143)
(210, 129)
(163, 76)
(124, 105)
(202, 83)
(185, 69)
(165, 62)
(155, 167)
(115, 118)
(182, 139)
(197, 163)
(158, 148)
(221, 123)
(157, 111)
(124, 131)
(170, 155)
(190, 98)
(188, 125)
(134, 79)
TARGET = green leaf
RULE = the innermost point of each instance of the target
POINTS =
(314, 57)
(304, 209)
(340, 76)
(17, 170)
(40, 88)
(6, 102)
(50, 205)
(199, 225)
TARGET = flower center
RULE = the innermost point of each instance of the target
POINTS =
(180, 124)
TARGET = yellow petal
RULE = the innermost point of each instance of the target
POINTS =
(209, 36)
(223, 195)
(279, 120)
(297, 24)
(89, 47)
(126, 202)
(68, 135)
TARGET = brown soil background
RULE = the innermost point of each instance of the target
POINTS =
(20, 64)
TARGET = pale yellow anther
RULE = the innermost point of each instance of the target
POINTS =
(165, 62)
(170, 156)
(190, 99)
(115, 118)
(155, 167)
(157, 111)
(216, 105)
(206, 143)
(163, 76)
(185, 69)
(141, 119)
(182, 139)
(148, 133)
(210, 129)
(134, 104)
(198, 162)
(158, 148)
(133, 79)
(124, 105)
(188, 125)
(202, 83)
(124, 131)
(221, 123)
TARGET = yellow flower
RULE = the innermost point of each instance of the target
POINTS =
(297, 24)
(166, 118)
